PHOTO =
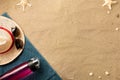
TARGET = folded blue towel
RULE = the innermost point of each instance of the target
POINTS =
(44, 73)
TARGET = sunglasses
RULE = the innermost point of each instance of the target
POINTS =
(16, 33)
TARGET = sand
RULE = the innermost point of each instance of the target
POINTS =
(75, 36)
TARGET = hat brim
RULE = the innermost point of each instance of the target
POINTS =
(13, 53)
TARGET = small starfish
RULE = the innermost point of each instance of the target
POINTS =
(24, 3)
(109, 3)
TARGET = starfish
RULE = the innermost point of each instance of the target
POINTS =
(24, 3)
(109, 3)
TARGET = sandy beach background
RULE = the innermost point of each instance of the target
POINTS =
(75, 36)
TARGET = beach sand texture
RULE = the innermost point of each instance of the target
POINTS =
(75, 36)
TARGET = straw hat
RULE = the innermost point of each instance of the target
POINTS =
(12, 40)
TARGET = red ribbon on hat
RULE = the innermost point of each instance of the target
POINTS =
(10, 33)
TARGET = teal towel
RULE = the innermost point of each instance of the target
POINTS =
(44, 73)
